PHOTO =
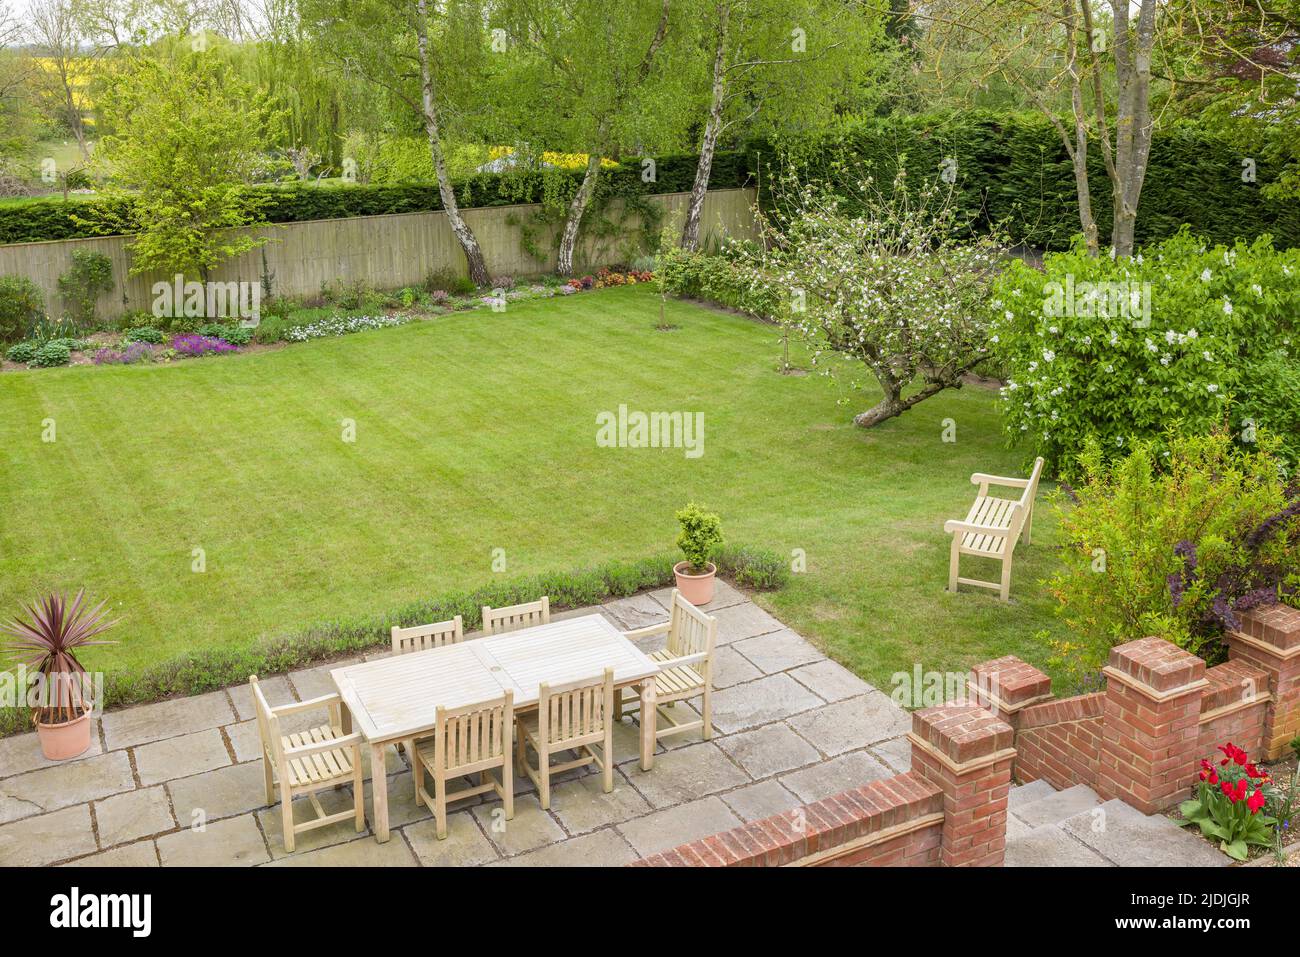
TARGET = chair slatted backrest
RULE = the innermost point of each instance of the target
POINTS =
(476, 736)
(424, 637)
(691, 632)
(575, 712)
(498, 621)
(268, 725)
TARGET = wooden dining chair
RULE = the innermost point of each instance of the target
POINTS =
(424, 637)
(574, 716)
(472, 739)
(307, 762)
(686, 666)
(498, 621)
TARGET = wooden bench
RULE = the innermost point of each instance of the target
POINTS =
(992, 527)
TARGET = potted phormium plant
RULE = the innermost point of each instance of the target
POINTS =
(45, 642)
(701, 533)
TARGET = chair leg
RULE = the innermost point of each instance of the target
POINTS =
(1006, 578)
(508, 787)
(707, 711)
(417, 771)
(286, 817)
(954, 559)
(1029, 525)
(544, 778)
(440, 805)
(359, 790)
(608, 761)
(521, 753)
(270, 780)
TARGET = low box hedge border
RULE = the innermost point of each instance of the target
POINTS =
(212, 669)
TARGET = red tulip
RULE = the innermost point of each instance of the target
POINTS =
(1256, 801)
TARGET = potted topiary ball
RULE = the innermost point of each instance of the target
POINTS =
(701, 533)
(45, 642)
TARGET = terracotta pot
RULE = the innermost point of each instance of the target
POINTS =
(697, 589)
(67, 740)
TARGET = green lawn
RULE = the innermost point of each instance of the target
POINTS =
(476, 431)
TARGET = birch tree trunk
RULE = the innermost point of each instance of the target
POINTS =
(1133, 120)
(478, 271)
(577, 209)
(1079, 151)
(712, 129)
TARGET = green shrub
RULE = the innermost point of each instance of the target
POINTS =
(718, 279)
(144, 334)
(1174, 540)
(759, 568)
(212, 668)
(21, 307)
(53, 353)
(700, 534)
(90, 275)
(1217, 338)
(22, 352)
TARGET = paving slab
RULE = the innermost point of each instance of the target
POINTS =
(333, 802)
(133, 815)
(402, 809)
(1016, 828)
(778, 651)
(166, 719)
(361, 852)
(830, 680)
(180, 757)
(245, 739)
(464, 846)
(1022, 794)
(1129, 838)
(768, 750)
(678, 825)
(747, 620)
(853, 723)
(637, 611)
(760, 702)
(47, 838)
(139, 854)
(1057, 806)
(315, 682)
(63, 785)
(730, 667)
(836, 775)
(212, 795)
(605, 848)
(276, 689)
(234, 842)
(686, 774)
(582, 805)
(757, 801)
(1049, 846)
(896, 753)
(724, 596)
(529, 829)
(22, 752)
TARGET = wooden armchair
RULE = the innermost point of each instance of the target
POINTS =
(306, 762)
(570, 717)
(424, 637)
(686, 664)
(498, 621)
(992, 527)
(467, 740)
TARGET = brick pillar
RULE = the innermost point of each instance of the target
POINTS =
(1008, 685)
(1270, 639)
(1150, 724)
(967, 753)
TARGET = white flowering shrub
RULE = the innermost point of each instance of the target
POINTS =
(899, 286)
(1180, 336)
(342, 326)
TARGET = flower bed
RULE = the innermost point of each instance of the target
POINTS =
(1240, 805)
(343, 326)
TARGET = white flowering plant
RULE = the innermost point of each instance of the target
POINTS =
(1120, 350)
(899, 284)
(342, 326)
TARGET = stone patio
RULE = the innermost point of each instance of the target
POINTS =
(180, 782)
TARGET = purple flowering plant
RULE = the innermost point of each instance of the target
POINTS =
(194, 344)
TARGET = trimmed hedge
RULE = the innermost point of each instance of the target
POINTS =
(1013, 169)
(197, 672)
(52, 219)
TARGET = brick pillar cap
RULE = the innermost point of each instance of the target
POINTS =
(1276, 624)
(962, 733)
(1160, 665)
(1013, 681)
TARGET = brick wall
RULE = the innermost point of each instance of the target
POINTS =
(950, 809)
(1060, 741)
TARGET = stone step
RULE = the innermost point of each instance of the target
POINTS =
(1050, 846)
(1057, 806)
(1129, 838)
(1024, 793)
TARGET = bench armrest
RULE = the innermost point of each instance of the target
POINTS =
(684, 660)
(296, 706)
(994, 531)
(982, 478)
(646, 632)
(305, 750)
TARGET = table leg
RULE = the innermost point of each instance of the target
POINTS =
(649, 717)
(379, 791)
(345, 718)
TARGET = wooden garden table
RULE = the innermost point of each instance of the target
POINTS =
(395, 699)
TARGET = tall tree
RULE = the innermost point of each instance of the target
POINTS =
(593, 77)
(56, 27)
(421, 54)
